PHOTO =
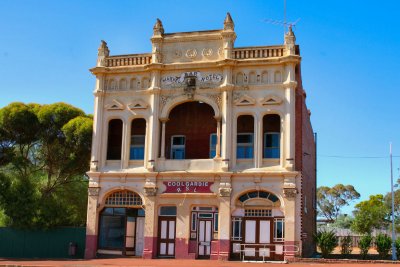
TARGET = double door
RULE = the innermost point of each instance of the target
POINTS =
(257, 238)
(166, 233)
(204, 238)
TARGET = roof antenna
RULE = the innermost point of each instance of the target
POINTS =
(284, 22)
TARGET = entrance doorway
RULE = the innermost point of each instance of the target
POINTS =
(205, 236)
(166, 231)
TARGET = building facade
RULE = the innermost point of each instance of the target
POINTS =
(201, 150)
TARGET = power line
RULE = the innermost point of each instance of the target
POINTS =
(355, 157)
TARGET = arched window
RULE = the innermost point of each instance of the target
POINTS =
(278, 77)
(264, 77)
(258, 194)
(252, 78)
(272, 136)
(122, 84)
(245, 137)
(239, 78)
(138, 137)
(114, 143)
(123, 198)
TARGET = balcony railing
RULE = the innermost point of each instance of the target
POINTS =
(128, 60)
(258, 52)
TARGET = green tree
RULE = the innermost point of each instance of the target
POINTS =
(343, 221)
(364, 244)
(326, 241)
(330, 200)
(44, 154)
(370, 214)
(388, 203)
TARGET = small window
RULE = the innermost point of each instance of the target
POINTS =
(272, 145)
(194, 217)
(178, 147)
(244, 146)
(205, 215)
(279, 233)
(236, 228)
(137, 147)
(168, 211)
(213, 145)
(216, 222)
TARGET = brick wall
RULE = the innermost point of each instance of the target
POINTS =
(305, 163)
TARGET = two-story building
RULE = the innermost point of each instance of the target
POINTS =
(201, 150)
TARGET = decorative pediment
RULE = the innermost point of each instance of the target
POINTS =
(271, 100)
(245, 100)
(115, 105)
(138, 104)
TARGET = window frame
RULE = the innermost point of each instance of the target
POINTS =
(137, 146)
(265, 148)
(178, 147)
(214, 148)
(245, 145)
(276, 221)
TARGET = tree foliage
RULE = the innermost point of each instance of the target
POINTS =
(44, 154)
(364, 244)
(330, 200)
(326, 241)
(370, 214)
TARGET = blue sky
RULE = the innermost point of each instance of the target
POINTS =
(350, 64)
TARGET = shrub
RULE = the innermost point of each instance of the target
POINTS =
(398, 247)
(346, 245)
(364, 244)
(326, 241)
(383, 245)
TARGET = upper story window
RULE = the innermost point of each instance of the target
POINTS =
(213, 145)
(178, 147)
(272, 136)
(271, 145)
(244, 138)
(138, 137)
(114, 142)
(244, 146)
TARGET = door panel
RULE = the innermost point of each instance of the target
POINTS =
(166, 233)
(205, 236)
(250, 232)
(265, 229)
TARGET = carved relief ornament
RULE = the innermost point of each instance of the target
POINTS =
(289, 192)
(93, 191)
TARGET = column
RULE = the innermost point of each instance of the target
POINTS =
(260, 148)
(256, 137)
(150, 233)
(224, 219)
(91, 223)
(125, 144)
(183, 232)
(97, 125)
(163, 122)
(218, 145)
(290, 195)
(290, 127)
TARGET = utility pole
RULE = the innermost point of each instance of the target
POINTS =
(394, 256)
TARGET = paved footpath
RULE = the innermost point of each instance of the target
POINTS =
(164, 262)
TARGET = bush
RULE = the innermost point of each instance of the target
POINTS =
(346, 245)
(383, 245)
(398, 247)
(326, 241)
(364, 244)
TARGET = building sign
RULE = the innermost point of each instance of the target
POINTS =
(187, 187)
(201, 78)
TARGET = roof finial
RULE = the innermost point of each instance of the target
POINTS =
(103, 49)
(158, 28)
(228, 22)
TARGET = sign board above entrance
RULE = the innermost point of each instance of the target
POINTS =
(202, 78)
(187, 187)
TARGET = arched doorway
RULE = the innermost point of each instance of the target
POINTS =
(258, 227)
(121, 224)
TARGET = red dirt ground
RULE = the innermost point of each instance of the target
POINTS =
(161, 262)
